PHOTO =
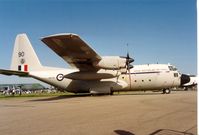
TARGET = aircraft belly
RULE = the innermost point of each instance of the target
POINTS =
(78, 86)
(100, 86)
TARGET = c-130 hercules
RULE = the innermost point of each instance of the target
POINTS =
(91, 73)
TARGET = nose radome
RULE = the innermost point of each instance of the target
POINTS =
(184, 79)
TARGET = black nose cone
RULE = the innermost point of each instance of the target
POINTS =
(184, 79)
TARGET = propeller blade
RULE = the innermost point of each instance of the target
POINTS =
(129, 78)
(131, 60)
(127, 55)
(129, 66)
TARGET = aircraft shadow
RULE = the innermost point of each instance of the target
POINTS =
(169, 132)
(157, 132)
(137, 93)
(60, 97)
(123, 132)
(88, 94)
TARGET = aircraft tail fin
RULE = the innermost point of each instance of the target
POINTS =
(24, 57)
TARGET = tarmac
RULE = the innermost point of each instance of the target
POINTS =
(136, 113)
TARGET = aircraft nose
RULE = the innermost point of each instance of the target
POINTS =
(184, 79)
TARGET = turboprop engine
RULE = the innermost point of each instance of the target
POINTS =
(114, 62)
(109, 67)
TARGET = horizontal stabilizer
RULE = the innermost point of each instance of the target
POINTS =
(13, 72)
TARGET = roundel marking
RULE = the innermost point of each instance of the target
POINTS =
(60, 77)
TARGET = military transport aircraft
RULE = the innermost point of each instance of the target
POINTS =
(91, 72)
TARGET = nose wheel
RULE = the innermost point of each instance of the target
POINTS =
(166, 91)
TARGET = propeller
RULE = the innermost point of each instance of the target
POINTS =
(129, 60)
(128, 65)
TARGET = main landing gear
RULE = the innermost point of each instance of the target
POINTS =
(166, 91)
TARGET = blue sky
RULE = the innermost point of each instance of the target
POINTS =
(162, 31)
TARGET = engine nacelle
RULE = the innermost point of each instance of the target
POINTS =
(111, 62)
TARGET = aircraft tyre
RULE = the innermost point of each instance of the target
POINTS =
(111, 93)
(166, 91)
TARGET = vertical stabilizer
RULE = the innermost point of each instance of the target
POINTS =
(24, 57)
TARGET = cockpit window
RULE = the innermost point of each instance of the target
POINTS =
(172, 68)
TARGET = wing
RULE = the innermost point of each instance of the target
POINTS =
(73, 50)
(13, 72)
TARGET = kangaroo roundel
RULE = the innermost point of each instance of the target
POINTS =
(60, 77)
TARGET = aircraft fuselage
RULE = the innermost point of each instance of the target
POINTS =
(141, 77)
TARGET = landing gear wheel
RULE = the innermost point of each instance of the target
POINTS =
(163, 91)
(166, 91)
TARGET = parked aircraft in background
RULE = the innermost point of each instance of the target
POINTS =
(192, 83)
(91, 73)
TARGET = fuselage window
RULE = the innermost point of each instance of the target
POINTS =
(149, 80)
(135, 81)
(142, 80)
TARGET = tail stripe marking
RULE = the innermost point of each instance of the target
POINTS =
(23, 68)
(19, 68)
(26, 68)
